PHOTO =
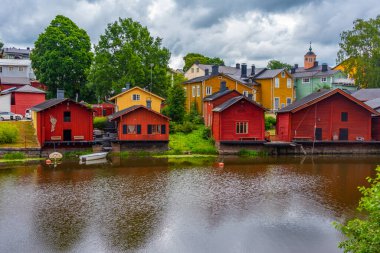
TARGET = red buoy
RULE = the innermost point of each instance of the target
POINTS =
(48, 161)
(221, 165)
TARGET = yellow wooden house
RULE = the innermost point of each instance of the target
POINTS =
(277, 88)
(219, 78)
(137, 96)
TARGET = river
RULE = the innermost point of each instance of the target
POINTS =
(284, 204)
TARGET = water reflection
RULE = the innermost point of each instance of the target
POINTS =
(185, 205)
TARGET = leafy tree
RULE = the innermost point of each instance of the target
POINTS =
(363, 235)
(127, 53)
(359, 52)
(1, 45)
(176, 100)
(191, 58)
(275, 64)
(62, 57)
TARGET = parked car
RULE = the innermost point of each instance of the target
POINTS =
(28, 114)
(10, 116)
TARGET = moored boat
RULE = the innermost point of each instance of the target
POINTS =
(94, 156)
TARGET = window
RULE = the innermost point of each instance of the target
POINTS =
(156, 129)
(10, 68)
(305, 80)
(198, 91)
(323, 79)
(283, 74)
(208, 90)
(282, 105)
(192, 70)
(136, 97)
(277, 82)
(20, 69)
(193, 91)
(66, 116)
(197, 70)
(241, 127)
(344, 116)
(245, 93)
(288, 101)
(131, 129)
(289, 83)
(276, 103)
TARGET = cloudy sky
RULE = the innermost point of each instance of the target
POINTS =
(252, 31)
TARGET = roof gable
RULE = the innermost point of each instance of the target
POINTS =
(131, 109)
(233, 101)
(319, 96)
(134, 88)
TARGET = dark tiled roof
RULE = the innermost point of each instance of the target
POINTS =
(131, 109)
(49, 103)
(218, 95)
(7, 91)
(29, 89)
(232, 101)
(304, 101)
(374, 103)
(269, 73)
(197, 79)
(367, 94)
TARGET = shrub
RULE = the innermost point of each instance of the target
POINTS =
(14, 156)
(8, 133)
(186, 127)
(270, 122)
(206, 134)
(100, 122)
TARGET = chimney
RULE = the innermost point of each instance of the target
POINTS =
(60, 93)
(243, 70)
(127, 86)
(223, 86)
(207, 72)
(324, 67)
(123, 89)
(296, 66)
(315, 63)
(253, 70)
(238, 65)
(292, 70)
(215, 70)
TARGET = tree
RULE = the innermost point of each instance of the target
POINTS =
(127, 53)
(1, 45)
(192, 58)
(363, 235)
(175, 109)
(275, 64)
(359, 52)
(62, 57)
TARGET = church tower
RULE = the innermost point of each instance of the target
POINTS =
(309, 58)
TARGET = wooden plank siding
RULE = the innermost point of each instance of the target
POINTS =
(25, 101)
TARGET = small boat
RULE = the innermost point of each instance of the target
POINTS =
(94, 162)
(94, 156)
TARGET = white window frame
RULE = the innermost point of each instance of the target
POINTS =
(303, 80)
(274, 103)
(244, 124)
(283, 74)
(277, 82)
(208, 90)
(287, 101)
(198, 91)
(197, 70)
(136, 97)
(245, 93)
(193, 91)
(323, 79)
(289, 83)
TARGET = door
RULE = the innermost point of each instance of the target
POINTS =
(318, 134)
(343, 134)
(67, 135)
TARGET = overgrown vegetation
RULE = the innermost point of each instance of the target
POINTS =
(363, 235)
(14, 156)
(251, 153)
(270, 122)
(100, 122)
(8, 133)
(74, 154)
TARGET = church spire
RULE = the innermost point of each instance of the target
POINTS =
(310, 50)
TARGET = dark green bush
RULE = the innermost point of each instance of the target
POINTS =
(8, 133)
(100, 122)
(270, 122)
(206, 134)
(186, 127)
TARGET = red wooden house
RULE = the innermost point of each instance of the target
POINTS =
(62, 121)
(328, 115)
(18, 99)
(238, 119)
(214, 100)
(103, 110)
(139, 123)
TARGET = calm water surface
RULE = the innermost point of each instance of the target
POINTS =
(160, 205)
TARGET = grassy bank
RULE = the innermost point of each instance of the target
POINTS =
(26, 137)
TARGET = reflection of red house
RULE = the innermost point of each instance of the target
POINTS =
(18, 99)
(139, 123)
(214, 100)
(238, 119)
(103, 110)
(62, 121)
(327, 115)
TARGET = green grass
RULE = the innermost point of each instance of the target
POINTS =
(14, 156)
(26, 135)
(251, 153)
(74, 154)
(191, 143)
